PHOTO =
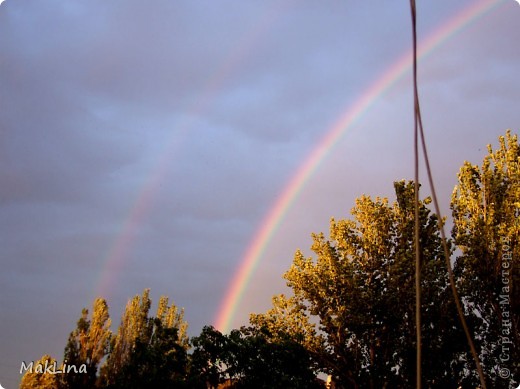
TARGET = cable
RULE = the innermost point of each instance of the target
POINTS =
(419, 125)
(416, 202)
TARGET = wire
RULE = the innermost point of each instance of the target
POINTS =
(418, 125)
(416, 200)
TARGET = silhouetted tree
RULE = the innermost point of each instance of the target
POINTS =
(250, 358)
(207, 361)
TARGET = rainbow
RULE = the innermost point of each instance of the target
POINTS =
(272, 220)
(116, 255)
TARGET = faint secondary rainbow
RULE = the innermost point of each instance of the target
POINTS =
(117, 254)
(272, 220)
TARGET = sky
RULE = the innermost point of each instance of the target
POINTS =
(145, 144)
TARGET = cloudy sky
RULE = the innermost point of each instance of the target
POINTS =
(143, 143)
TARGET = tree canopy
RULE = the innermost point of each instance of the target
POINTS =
(350, 310)
(358, 290)
(486, 230)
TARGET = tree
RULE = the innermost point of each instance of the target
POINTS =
(88, 344)
(147, 351)
(172, 317)
(486, 229)
(359, 292)
(250, 357)
(288, 318)
(266, 360)
(207, 368)
(134, 325)
(38, 377)
(159, 363)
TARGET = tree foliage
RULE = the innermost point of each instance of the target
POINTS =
(88, 345)
(34, 378)
(250, 357)
(147, 351)
(486, 229)
(134, 327)
(288, 318)
(354, 301)
(359, 291)
(351, 311)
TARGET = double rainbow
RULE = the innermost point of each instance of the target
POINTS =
(116, 255)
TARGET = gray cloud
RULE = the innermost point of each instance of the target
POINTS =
(171, 129)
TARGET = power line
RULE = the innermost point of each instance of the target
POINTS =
(419, 130)
(416, 200)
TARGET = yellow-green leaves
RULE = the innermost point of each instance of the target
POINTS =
(37, 374)
(486, 230)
